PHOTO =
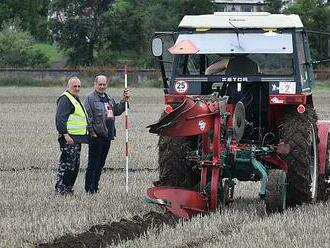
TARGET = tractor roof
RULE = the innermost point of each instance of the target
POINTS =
(241, 20)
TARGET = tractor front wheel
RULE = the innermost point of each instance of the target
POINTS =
(276, 191)
(174, 169)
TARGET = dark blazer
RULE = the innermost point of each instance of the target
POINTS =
(96, 113)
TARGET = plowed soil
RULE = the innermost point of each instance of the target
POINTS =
(125, 229)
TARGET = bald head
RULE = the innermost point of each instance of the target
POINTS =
(74, 86)
(100, 84)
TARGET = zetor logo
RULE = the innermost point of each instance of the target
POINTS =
(181, 86)
(234, 79)
(276, 100)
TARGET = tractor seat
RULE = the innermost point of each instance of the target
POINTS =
(241, 66)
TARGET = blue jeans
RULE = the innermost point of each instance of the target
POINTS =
(97, 154)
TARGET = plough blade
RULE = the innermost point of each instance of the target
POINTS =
(182, 202)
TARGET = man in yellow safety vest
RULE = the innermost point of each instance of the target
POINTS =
(71, 124)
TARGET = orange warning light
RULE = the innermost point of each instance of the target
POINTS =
(168, 109)
(301, 109)
(184, 47)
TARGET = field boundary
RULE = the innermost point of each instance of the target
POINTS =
(136, 75)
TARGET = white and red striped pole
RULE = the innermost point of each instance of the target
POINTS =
(126, 131)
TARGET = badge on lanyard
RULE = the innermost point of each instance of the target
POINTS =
(108, 109)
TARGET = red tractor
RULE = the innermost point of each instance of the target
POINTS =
(239, 106)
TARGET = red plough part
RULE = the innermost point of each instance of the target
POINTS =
(181, 202)
(192, 118)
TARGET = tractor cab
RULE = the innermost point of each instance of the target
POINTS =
(259, 59)
(210, 52)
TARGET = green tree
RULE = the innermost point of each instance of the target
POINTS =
(130, 24)
(76, 25)
(165, 15)
(315, 15)
(16, 48)
(123, 35)
(123, 28)
(274, 6)
(32, 13)
(193, 7)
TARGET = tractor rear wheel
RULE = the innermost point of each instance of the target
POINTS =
(276, 191)
(300, 132)
(174, 169)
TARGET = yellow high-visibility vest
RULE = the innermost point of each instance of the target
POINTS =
(77, 122)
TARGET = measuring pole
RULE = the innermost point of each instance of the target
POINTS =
(126, 131)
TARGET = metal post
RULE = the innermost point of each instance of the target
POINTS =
(126, 131)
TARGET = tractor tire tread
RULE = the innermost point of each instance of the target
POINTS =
(274, 190)
(295, 131)
(172, 160)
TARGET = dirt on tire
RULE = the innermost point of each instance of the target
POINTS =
(174, 169)
(296, 132)
(113, 233)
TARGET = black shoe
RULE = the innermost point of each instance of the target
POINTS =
(92, 191)
(64, 192)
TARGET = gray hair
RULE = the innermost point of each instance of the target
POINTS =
(99, 76)
(71, 79)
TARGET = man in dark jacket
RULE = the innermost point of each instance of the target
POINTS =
(101, 109)
(71, 124)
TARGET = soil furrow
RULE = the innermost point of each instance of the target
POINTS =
(114, 232)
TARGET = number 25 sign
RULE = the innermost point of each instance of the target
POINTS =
(181, 86)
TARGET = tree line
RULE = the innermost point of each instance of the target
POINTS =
(103, 32)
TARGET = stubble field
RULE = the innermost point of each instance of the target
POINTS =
(31, 213)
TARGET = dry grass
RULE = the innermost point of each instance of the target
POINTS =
(244, 226)
(31, 212)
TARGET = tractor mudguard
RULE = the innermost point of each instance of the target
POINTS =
(323, 133)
